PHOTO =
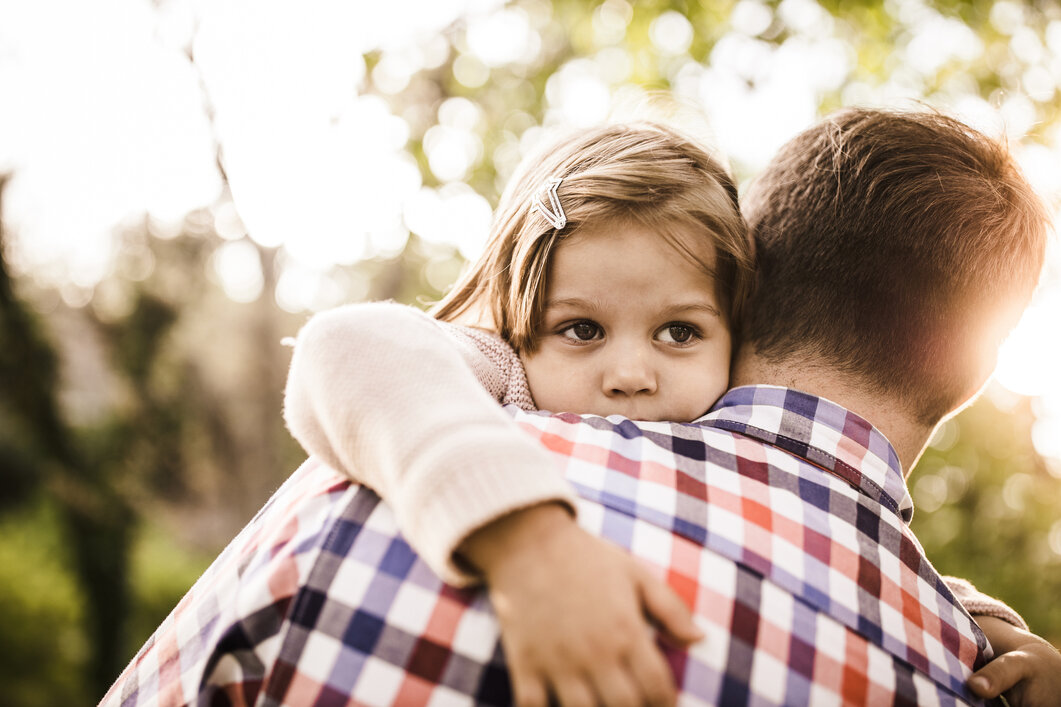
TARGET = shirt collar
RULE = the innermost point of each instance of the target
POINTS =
(820, 432)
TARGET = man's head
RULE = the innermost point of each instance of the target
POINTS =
(896, 250)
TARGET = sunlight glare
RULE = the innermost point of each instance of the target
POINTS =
(749, 130)
(227, 222)
(1006, 16)
(470, 71)
(939, 40)
(671, 33)
(610, 20)
(459, 113)
(302, 289)
(748, 77)
(1053, 37)
(393, 72)
(1019, 115)
(451, 152)
(979, 114)
(454, 214)
(751, 17)
(108, 124)
(237, 266)
(323, 194)
(576, 94)
(1027, 361)
(292, 65)
(501, 37)
(1039, 83)
(614, 64)
(1046, 436)
(1040, 166)
(806, 17)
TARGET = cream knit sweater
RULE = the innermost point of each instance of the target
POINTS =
(407, 406)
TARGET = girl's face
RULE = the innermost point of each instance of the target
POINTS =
(631, 327)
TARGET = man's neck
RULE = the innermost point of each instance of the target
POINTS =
(907, 435)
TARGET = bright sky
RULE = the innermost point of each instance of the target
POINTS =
(104, 119)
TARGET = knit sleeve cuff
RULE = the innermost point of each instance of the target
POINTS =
(979, 604)
(446, 504)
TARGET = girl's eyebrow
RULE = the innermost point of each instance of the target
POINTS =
(672, 310)
(574, 302)
(692, 307)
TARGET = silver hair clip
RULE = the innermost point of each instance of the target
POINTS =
(554, 215)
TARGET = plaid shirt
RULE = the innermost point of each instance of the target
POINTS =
(780, 517)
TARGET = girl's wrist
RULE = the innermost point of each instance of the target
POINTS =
(507, 541)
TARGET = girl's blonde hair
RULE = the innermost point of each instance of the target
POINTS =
(643, 173)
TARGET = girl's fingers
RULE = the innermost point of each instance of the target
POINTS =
(614, 688)
(528, 690)
(653, 676)
(664, 608)
(1001, 674)
(573, 691)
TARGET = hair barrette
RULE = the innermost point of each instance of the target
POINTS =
(554, 213)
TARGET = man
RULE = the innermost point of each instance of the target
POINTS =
(892, 249)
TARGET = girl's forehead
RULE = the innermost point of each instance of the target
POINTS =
(693, 243)
(634, 255)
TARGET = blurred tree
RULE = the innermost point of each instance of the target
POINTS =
(31, 426)
(117, 431)
(96, 520)
(35, 448)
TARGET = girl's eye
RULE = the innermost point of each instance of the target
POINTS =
(678, 334)
(582, 331)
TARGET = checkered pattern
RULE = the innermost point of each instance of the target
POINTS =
(778, 517)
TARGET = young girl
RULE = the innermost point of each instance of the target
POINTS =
(616, 271)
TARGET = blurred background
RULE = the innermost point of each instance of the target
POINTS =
(183, 182)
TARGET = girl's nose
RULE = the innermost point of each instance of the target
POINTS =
(629, 373)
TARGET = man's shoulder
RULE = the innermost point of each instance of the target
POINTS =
(223, 633)
(806, 519)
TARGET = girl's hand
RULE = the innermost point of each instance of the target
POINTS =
(1025, 667)
(576, 612)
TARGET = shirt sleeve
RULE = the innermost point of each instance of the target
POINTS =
(979, 604)
(409, 407)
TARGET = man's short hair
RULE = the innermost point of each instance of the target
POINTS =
(895, 247)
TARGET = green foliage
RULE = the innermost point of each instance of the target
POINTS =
(987, 505)
(163, 570)
(43, 649)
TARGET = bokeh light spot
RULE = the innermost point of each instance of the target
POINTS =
(671, 33)
(237, 266)
(751, 17)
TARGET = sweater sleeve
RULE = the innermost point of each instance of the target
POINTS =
(409, 407)
(979, 604)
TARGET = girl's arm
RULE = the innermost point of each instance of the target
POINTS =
(979, 604)
(388, 396)
(1025, 667)
(408, 406)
